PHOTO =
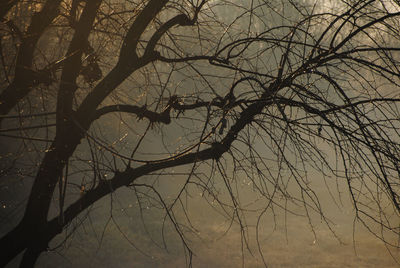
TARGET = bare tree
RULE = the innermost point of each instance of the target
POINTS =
(111, 94)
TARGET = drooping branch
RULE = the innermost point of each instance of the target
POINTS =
(128, 176)
(260, 83)
(362, 28)
(67, 141)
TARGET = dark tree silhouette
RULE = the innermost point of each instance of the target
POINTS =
(259, 90)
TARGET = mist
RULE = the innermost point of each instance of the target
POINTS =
(299, 183)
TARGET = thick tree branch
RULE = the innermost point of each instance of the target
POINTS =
(63, 146)
(128, 51)
(72, 64)
(127, 177)
(181, 19)
(128, 62)
(165, 116)
(25, 78)
(140, 112)
(289, 100)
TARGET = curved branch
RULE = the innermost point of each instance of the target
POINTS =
(181, 19)
(128, 50)
(362, 28)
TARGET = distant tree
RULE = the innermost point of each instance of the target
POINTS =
(105, 94)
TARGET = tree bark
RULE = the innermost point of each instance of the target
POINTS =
(24, 75)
